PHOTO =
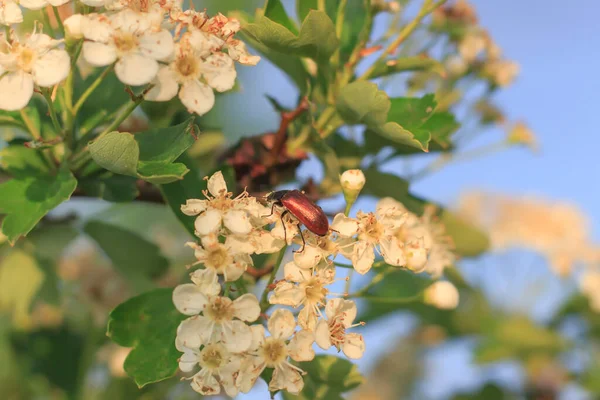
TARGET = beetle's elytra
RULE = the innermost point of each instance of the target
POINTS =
(299, 205)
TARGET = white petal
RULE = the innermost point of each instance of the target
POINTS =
(164, 89)
(97, 27)
(216, 184)
(193, 207)
(389, 206)
(10, 13)
(286, 378)
(292, 272)
(416, 256)
(203, 43)
(307, 318)
(157, 45)
(287, 294)
(236, 269)
(206, 280)
(237, 222)
(354, 345)
(258, 336)
(251, 369)
(16, 89)
(236, 336)
(189, 299)
(241, 243)
(363, 257)
(393, 253)
(308, 258)
(344, 225)
(205, 383)
(281, 323)
(347, 309)
(219, 72)
(188, 360)
(322, 335)
(51, 68)
(238, 52)
(300, 347)
(208, 222)
(266, 243)
(73, 26)
(246, 308)
(194, 332)
(99, 54)
(197, 97)
(33, 4)
(57, 3)
(94, 3)
(136, 70)
(210, 240)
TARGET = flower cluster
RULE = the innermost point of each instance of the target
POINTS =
(154, 43)
(222, 336)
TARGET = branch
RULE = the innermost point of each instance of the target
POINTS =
(286, 119)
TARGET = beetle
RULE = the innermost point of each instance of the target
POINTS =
(299, 205)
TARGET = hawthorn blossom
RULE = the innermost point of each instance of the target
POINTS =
(215, 318)
(220, 209)
(332, 331)
(274, 351)
(128, 39)
(39, 4)
(218, 367)
(37, 60)
(442, 294)
(222, 259)
(10, 12)
(306, 288)
(316, 249)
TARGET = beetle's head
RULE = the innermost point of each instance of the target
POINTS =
(277, 195)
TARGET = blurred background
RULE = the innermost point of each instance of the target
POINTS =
(549, 186)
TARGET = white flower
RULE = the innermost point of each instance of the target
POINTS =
(198, 69)
(332, 332)
(73, 26)
(220, 209)
(273, 352)
(286, 227)
(238, 52)
(501, 72)
(221, 319)
(221, 258)
(218, 366)
(375, 232)
(305, 288)
(257, 241)
(471, 45)
(39, 4)
(442, 294)
(128, 39)
(10, 12)
(36, 60)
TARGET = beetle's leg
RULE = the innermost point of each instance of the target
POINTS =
(272, 212)
(283, 224)
(303, 242)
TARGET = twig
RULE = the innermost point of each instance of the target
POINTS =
(286, 119)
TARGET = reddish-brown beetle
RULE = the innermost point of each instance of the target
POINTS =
(308, 213)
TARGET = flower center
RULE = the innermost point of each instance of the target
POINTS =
(217, 258)
(315, 292)
(25, 59)
(125, 42)
(274, 351)
(187, 66)
(219, 310)
(337, 331)
(372, 229)
(213, 356)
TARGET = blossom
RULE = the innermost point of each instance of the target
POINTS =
(10, 12)
(501, 72)
(198, 69)
(274, 351)
(221, 318)
(305, 288)
(220, 209)
(221, 258)
(332, 331)
(376, 232)
(35, 61)
(39, 4)
(218, 366)
(471, 45)
(128, 39)
(442, 294)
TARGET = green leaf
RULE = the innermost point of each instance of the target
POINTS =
(383, 184)
(441, 126)
(20, 279)
(316, 39)
(304, 7)
(133, 256)
(356, 15)
(328, 157)
(20, 161)
(468, 240)
(148, 323)
(26, 200)
(115, 188)
(404, 64)
(327, 378)
(110, 96)
(160, 173)
(166, 144)
(275, 12)
(117, 152)
(363, 103)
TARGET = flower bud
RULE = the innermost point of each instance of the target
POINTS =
(73, 26)
(442, 294)
(520, 134)
(352, 182)
(416, 255)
